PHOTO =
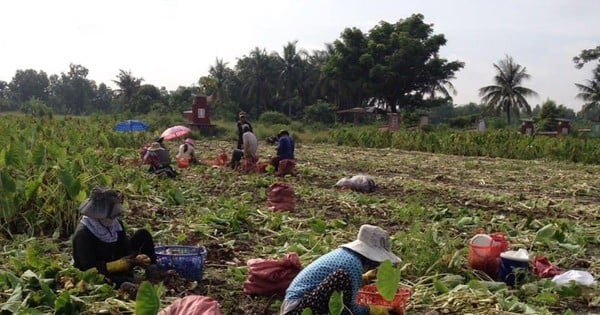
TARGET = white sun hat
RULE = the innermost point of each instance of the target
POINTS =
(373, 242)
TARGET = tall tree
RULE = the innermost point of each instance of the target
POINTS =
(128, 86)
(397, 64)
(326, 82)
(29, 83)
(4, 92)
(222, 79)
(590, 93)
(103, 99)
(79, 91)
(72, 92)
(347, 69)
(587, 55)
(292, 73)
(508, 95)
(146, 97)
(259, 74)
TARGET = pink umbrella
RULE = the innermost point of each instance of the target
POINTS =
(175, 132)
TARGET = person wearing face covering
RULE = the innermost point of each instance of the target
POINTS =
(100, 240)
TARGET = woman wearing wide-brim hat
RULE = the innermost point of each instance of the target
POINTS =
(187, 152)
(100, 240)
(158, 159)
(340, 270)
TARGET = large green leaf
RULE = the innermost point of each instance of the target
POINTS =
(38, 155)
(7, 183)
(307, 311)
(388, 278)
(336, 303)
(2, 158)
(15, 155)
(57, 152)
(8, 280)
(66, 304)
(31, 187)
(147, 301)
(71, 183)
(546, 231)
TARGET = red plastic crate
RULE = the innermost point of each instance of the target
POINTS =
(368, 295)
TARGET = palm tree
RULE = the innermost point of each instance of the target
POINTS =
(508, 94)
(258, 71)
(443, 87)
(590, 92)
(128, 85)
(221, 74)
(292, 72)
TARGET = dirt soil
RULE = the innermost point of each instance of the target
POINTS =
(536, 189)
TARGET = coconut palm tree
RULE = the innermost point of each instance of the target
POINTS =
(259, 72)
(508, 95)
(590, 92)
(292, 72)
(222, 74)
(128, 85)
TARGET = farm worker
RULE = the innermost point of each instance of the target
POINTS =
(161, 141)
(285, 148)
(340, 270)
(145, 147)
(159, 160)
(249, 147)
(240, 124)
(186, 151)
(100, 240)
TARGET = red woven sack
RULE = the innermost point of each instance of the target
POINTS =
(249, 165)
(193, 304)
(281, 197)
(286, 167)
(267, 277)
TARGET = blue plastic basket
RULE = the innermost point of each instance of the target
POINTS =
(188, 261)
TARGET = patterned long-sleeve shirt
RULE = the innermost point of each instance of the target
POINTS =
(311, 276)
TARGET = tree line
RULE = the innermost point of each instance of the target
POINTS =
(394, 66)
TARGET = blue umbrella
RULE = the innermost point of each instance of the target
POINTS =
(131, 125)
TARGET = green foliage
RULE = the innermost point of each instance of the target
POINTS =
(548, 115)
(336, 303)
(496, 123)
(432, 204)
(147, 301)
(274, 118)
(494, 143)
(320, 112)
(36, 108)
(508, 95)
(369, 64)
(463, 122)
(388, 278)
(307, 311)
(67, 304)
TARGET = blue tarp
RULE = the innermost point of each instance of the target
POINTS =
(131, 125)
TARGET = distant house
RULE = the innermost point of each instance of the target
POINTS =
(360, 111)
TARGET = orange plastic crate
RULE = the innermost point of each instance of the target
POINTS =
(368, 295)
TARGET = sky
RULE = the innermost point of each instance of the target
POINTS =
(171, 43)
